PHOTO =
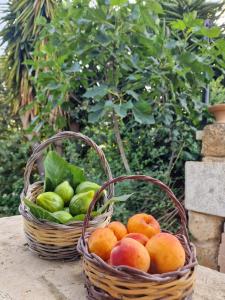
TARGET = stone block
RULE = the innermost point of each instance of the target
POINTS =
(213, 140)
(205, 227)
(205, 187)
(207, 253)
(212, 158)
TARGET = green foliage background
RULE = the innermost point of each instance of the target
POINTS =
(143, 64)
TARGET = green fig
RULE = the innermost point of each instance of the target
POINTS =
(62, 216)
(67, 209)
(81, 217)
(79, 204)
(87, 186)
(65, 191)
(50, 201)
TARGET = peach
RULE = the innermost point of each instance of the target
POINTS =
(101, 242)
(166, 252)
(141, 238)
(129, 252)
(143, 223)
(118, 228)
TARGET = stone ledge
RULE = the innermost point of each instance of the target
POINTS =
(26, 277)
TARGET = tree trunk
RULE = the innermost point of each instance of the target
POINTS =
(120, 144)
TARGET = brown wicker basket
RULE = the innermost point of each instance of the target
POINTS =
(104, 282)
(51, 240)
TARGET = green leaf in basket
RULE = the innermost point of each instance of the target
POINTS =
(58, 170)
(113, 200)
(39, 212)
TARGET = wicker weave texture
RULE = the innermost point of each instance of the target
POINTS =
(104, 282)
(51, 240)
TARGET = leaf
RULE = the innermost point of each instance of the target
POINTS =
(213, 32)
(190, 18)
(179, 25)
(155, 6)
(95, 116)
(57, 170)
(74, 68)
(98, 106)
(39, 212)
(102, 38)
(143, 113)
(109, 104)
(118, 2)
(97, 91)
(133, 94)
(121, 109)
(122, 198)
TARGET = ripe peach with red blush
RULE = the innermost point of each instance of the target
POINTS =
(129, 252)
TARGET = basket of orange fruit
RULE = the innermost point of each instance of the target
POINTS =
(138, 260)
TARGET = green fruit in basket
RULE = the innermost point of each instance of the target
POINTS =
(65, 191)
(67, 209)
(62, 216)
(50, 201)
(80, 203)
(81, 217)
(87, 186)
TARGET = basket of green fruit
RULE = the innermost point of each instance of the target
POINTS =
(54, 209)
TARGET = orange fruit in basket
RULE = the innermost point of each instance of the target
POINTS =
(129, 252)
(141, 238)
(166, 252)
(143, 223)
(101, 242)
(118, 228)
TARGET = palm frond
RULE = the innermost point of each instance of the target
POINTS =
(20, 34)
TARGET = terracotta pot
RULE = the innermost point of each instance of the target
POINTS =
(218, 110)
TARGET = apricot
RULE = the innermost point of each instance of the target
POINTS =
(118, 228)
(129, 252)
(141, 238)
(166, 252)
(143, 223)
(101, 242)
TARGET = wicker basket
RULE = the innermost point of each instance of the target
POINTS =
(103, 281)
(51, 240)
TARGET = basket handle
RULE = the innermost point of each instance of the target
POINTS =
(164, 187)
(60, 136)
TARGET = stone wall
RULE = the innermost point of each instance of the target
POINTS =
(205, 198)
